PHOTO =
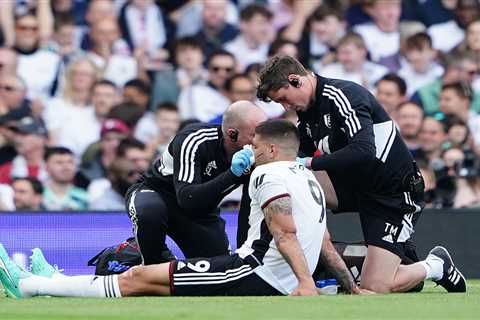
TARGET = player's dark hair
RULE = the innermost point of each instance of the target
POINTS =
(279, 130)
(399, 82)
(251, 10)
(51, 151)
(274, 75)
(129, 143)
(34, 182)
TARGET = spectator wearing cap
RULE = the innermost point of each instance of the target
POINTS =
(30, 138)
(96, 160)
(256, 35)
(137, 92)
(60, 193)
(37, 66)
(72, 110)
(28, 194)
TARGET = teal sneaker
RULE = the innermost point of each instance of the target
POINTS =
(39, 265)
(10, 275)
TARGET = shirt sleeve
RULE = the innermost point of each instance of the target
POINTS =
(267, 188)
(353, 117)
(191, 191)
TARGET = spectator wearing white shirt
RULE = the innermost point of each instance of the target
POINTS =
(382, 37)
(118, 68)
(72, 111)
(390, 93)
(206, 102)
(256, 35)
(352, 63)
(38, 67)
(420, 67)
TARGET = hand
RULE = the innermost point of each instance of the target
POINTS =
(307, 162)
(305, 290)
(241, 162)
(360, 291)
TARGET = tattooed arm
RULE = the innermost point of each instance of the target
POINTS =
(278, 216)
(334, 263)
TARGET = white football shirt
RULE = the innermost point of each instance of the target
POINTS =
(272, 181)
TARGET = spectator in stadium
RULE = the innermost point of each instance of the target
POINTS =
(13, 102)
(364, 164)
(472, 39)
(206, 102)
(28, 194)
(463, 67)
(432, 137)
(37, 66)
(188, 188)
(105, 95)
(127, 112)
(319, 43)
(256, 35)
(131, 150)
(283, 46)
(8, 61)
(455, 100)
(352, 63)
(215, 31)
(167, 84)
(458, 134)
(95, 161)
(29, 138)
(168, 123)
(72, 109)
(420, 67)
(382, 36)
(137, 92)
(144, 26)
(118, 68)
(63, 40)
(60, 194)
(390, 93)
(121, 175)
(409, 119)
(290, 17)
(240, 87)
(98, 10)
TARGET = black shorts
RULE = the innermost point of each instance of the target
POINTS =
(218, 276)
(387, 221)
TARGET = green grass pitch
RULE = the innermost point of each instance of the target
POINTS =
(432, 303)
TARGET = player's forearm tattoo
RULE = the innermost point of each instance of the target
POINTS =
(335, 264)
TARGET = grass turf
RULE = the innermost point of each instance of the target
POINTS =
(432, 303)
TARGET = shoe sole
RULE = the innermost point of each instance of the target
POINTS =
(451, 262)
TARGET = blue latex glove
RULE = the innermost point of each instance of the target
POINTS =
(242, 161)
(307, 162)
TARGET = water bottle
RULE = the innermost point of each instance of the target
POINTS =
(327, 286)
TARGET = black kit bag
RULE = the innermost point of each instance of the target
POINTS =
(116, 259)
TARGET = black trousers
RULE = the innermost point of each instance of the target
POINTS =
(155, 215)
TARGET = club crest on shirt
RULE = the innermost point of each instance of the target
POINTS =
(210, 166)
(328, 120)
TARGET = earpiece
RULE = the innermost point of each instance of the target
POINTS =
(233, 135)
(295, 82)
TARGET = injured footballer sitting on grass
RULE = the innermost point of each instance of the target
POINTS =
(284, 244)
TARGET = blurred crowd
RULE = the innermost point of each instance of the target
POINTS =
(92, 91)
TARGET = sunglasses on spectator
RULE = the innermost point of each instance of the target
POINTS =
(27, 28)
(217, 69)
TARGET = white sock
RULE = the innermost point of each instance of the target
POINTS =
(78, 286)
(433, 267)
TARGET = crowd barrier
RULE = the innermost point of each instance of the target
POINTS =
(71, 239)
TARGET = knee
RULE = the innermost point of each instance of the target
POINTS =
(131, 282)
